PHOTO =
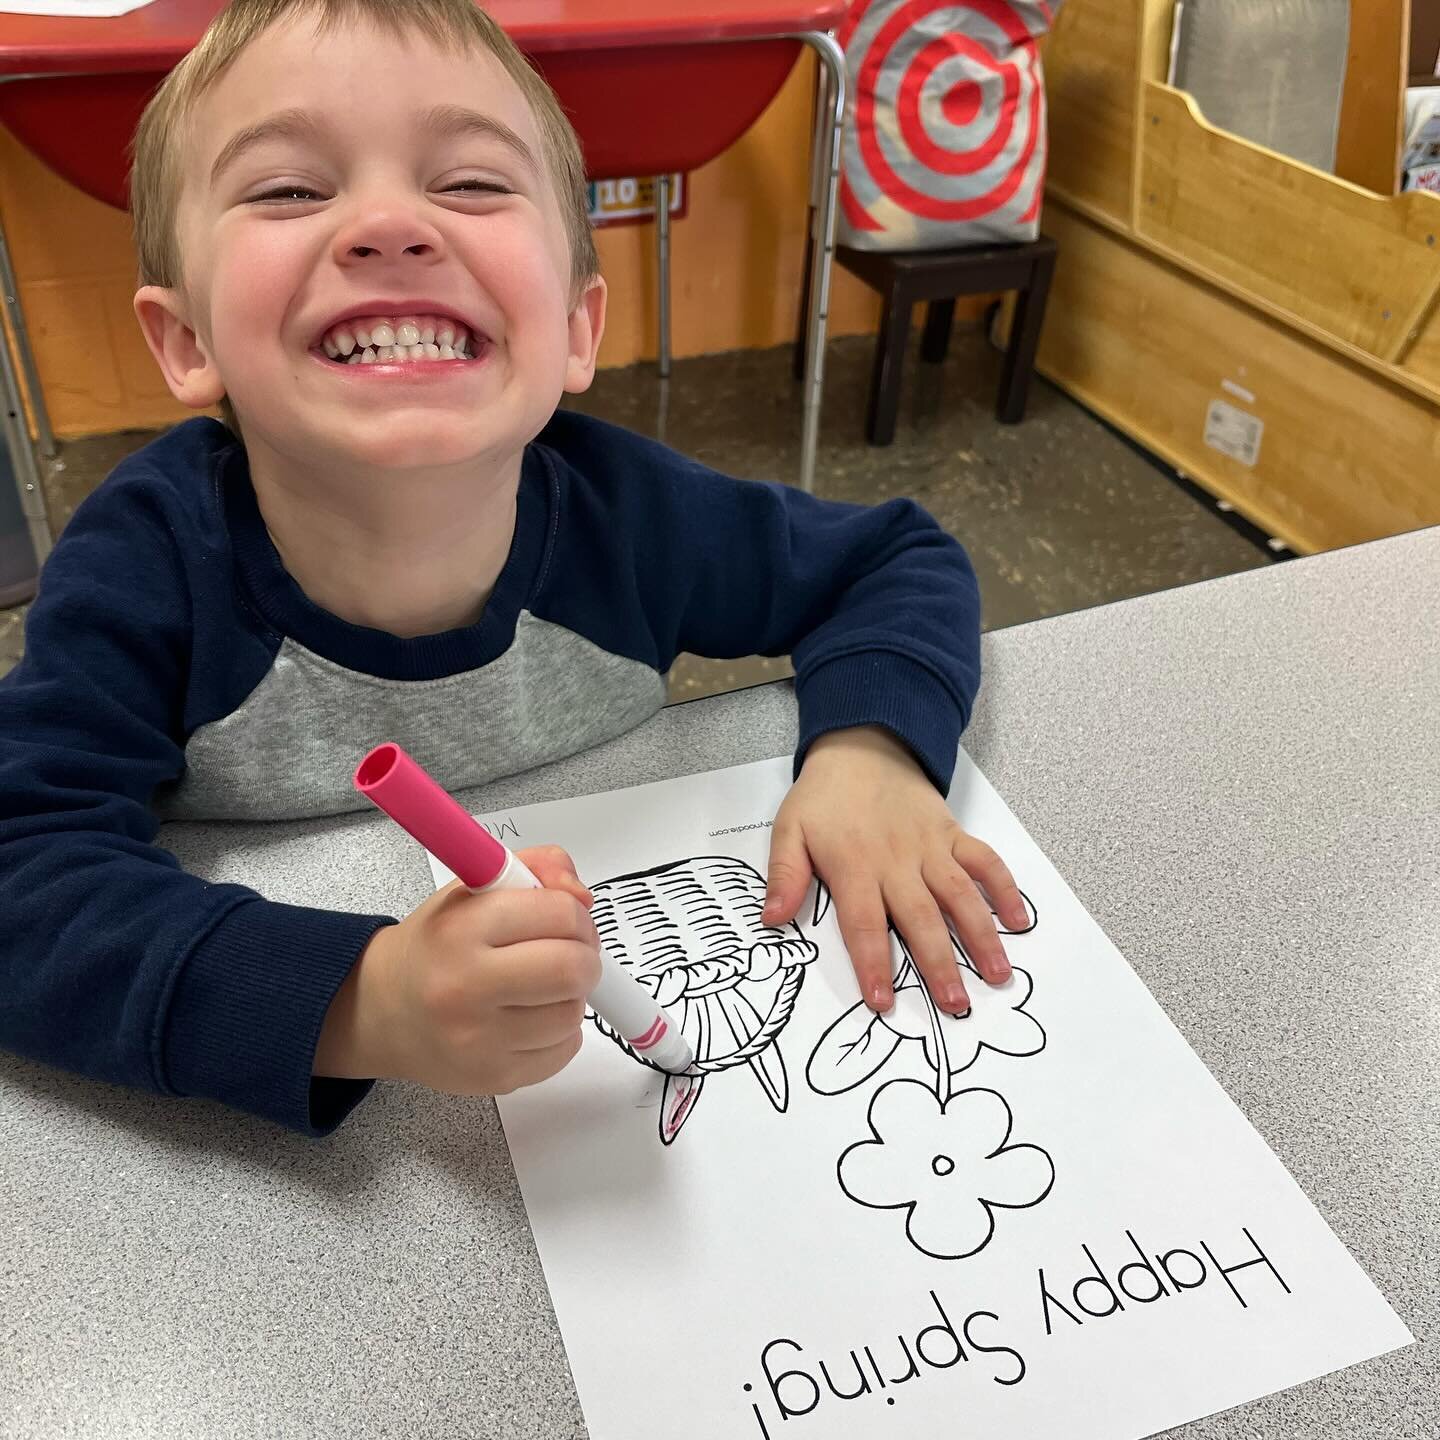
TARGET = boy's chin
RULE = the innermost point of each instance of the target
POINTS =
(417, 442)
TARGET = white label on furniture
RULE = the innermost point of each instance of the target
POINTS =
(1233, 432)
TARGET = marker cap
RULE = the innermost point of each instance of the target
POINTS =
(389, 777)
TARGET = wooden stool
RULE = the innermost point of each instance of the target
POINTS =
(904, 277)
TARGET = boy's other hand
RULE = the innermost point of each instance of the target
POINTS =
(471, 994)
(863, 816)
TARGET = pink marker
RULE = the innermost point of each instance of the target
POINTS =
(409, 796)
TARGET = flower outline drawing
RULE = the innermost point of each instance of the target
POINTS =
(948, 1164)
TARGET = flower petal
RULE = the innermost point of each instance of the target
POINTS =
(996, 1022)
(1013, 1032)
(950, 1229)
(886, 1171)
(1018, 1176)
(906, 1111)
(868, 1174)
(976, 1124)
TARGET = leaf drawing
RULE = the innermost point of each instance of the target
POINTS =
(691, 933)
(850, 1051)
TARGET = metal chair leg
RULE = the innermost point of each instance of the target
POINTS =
(817, 149)
(22, 461)
(45, 436)
(16, 430)
(802, 318)
(662, 240)
(826, 161)
(22, 457)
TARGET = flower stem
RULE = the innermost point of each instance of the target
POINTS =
(937, 1034)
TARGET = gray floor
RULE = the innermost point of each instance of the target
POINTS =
(1057, 513)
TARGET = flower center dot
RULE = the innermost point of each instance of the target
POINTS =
(942, 1164)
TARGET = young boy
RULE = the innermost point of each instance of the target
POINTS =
(362, 231)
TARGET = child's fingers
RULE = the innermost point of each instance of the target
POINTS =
(542, 972)
(555, 870)
(981, 863)
(917, 918)
(532, 1066)
(860, 911)
(956, 894)
(510, 917)
(538, 1027)
(789, 874)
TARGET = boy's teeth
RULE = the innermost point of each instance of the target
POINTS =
(407, 337)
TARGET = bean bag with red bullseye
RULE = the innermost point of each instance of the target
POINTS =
(945, 130)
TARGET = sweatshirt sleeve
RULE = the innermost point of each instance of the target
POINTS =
(877, 605)
(115, 963)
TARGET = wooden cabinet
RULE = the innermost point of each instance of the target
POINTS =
(1198, 270)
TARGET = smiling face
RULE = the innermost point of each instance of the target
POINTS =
(352, 186)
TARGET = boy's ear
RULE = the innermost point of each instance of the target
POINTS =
(188, 369)
(587, 325)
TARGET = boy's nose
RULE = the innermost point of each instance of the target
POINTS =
(363, 250)
(392, 236)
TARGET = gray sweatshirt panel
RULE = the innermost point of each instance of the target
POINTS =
(289, 751)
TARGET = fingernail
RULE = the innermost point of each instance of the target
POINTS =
(955, 997)
(1020, 918)
(881, 998)
(1002, 972)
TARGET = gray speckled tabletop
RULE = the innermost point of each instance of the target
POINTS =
(1240, 780)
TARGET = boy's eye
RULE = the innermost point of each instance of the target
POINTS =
(302, 193)
(478, 187)
(287, 192)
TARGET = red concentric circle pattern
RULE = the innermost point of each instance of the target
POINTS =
(964, 128)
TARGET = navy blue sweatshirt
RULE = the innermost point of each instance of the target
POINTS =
(173, 668)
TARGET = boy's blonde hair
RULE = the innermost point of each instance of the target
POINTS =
(164, 127)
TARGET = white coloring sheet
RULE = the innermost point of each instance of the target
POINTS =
(1046, 1219)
